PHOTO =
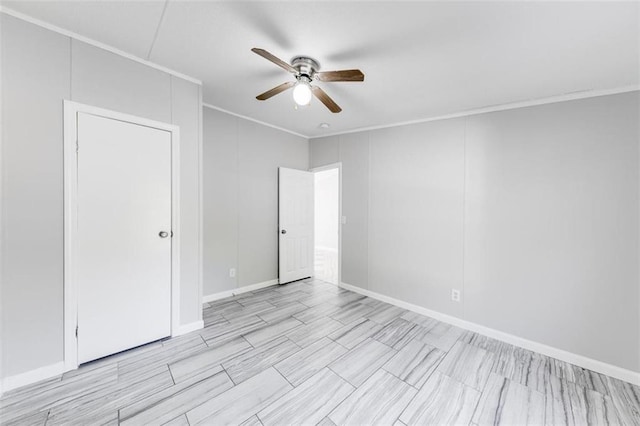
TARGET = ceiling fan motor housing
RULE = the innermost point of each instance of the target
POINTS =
(305, 66)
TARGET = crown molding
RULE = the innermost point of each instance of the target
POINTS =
(477, 111)
(75, 36)
(495, 108)
(206, 105)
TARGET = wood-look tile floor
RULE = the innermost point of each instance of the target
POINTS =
(312, 353)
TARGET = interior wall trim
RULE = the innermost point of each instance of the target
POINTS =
(206, 105)
(57, 369)
(570, 357)
(75, 36)
(32, 376)
(495, 108)
(239, 290)
(501, 107)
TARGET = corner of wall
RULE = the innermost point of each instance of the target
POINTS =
(200, 201)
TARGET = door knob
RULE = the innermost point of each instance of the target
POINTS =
(284, 231)
(163, 234)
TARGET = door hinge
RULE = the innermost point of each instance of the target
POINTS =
(76, 331)
(77, 146)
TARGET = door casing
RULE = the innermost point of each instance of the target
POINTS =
(71, 110)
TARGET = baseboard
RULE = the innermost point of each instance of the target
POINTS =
(572, 358)
(43, 373)
(188, 328)
(239, 290)
(32, 376)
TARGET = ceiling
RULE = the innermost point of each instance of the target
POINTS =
(421, 59)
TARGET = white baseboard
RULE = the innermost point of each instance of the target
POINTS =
(239, 290)
(188, 328)
(32, 376)
(572, 358)
(43, 373)
(49, 371)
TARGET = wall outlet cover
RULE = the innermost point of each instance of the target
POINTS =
(455, 295)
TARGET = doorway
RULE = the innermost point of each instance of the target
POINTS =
(121, 212)
(327, 215)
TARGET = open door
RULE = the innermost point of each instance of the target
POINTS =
(295, 218)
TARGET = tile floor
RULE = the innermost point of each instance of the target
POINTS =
(311, 353)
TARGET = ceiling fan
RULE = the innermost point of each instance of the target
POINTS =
(305, 71)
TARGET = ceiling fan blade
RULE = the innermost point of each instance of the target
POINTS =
(343, 75)
(278, 89)
(279, 62)
(325, 99)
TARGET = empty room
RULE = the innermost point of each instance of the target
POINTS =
(319, 213)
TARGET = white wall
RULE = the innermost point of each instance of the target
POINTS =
(40, 68)
(552, 225)
(533, 213)
(415, 212)
(241, 160)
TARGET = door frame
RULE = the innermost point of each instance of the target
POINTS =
(280, 224)
(337, 165)
(70, 284)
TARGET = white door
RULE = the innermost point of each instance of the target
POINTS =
(123, 235)
(295, 209)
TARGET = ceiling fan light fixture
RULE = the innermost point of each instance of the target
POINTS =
(302, 92)
(305, 70)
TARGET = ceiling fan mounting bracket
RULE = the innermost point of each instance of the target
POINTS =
(305, 66)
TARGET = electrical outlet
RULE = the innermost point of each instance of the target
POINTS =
(232, 273)
(343, 220)
(455, 295)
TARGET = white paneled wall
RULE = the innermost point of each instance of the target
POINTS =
(32, 233)
(117, 83)
(533, 213)
(186, 113)
(220, 176)
(241, 160)
(551, 225)
(354, 155)
(415, 212)
(40, 69)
